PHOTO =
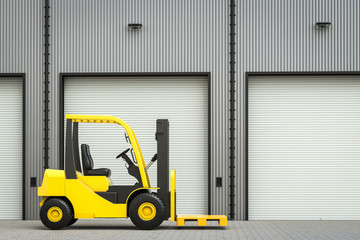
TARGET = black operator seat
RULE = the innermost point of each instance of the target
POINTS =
(88, 164)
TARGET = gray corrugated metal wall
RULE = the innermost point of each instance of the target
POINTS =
(21, 42)
(280, 35)
(177, 36)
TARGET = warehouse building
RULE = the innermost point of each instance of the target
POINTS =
(263, 99)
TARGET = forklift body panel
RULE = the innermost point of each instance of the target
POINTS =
(80, 192)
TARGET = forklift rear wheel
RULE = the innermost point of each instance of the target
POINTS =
(56, 213)
(147, 211)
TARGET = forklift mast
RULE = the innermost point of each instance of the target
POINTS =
(162, 138)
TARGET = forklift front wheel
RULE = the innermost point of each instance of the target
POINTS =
(147, 211)
(56, 213)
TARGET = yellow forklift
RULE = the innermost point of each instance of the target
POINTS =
(85, 192)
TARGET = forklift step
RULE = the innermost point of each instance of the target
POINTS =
(201, 219)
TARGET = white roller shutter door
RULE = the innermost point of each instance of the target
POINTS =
(10, 148)
(304, 148)
(139, 101)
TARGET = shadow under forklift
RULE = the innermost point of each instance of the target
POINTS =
(85, 192)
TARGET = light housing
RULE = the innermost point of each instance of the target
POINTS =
(135, 26)
(323, 25)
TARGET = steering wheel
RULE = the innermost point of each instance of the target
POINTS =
(124, 152)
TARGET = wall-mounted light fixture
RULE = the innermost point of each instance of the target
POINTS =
(323, 25)
(135, 26)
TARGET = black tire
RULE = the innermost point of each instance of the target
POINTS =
(62, 216)
(150, 199)
(72, 221)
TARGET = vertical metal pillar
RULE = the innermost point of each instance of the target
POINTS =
(232, 109)
(46, 81)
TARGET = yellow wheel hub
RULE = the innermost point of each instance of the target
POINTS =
(147, 211)
(54, 214)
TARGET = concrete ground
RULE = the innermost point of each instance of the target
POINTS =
(124, 229)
